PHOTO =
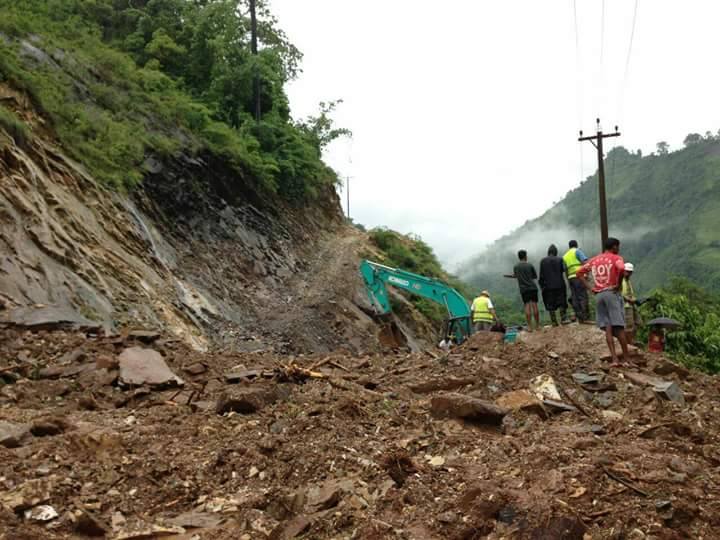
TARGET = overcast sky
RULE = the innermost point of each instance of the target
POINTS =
(465, 113)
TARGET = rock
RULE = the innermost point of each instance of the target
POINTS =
(196, 520)
(42, 513)
(558, 406)
(670, 391)
(144, 336)
(140, 366)
(467, 408)
(636, 534)
(544, 387)
(641, 379)
(197, 368)
(13, 435)
(43, 427)
(588, 378)
(553, 355)
(521, 400)
(291, 529)
(611, 415)
(437, 461)
(666, 367)
(324, 497)
(247, 400)
(107, 362)
(448, 517)
(243, 375)
(260, 522)
(27, 495)
(441, 383)
(49, 318)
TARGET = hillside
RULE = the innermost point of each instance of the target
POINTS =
(138, 191)
(665, 209)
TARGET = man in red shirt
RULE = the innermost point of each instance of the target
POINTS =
(608, 270)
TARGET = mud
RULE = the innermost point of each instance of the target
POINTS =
(347, 446)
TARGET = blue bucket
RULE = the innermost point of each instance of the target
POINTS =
(511, 336)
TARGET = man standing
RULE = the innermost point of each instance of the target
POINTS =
(632, 317)
(574, 258)
(525, 273)
(552, 285)
(483, 313)
(608, 270)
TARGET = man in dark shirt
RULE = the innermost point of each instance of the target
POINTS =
(525, 273)
(552, 285)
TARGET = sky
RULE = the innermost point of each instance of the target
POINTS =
(465, 114)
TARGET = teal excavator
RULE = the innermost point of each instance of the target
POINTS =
(458, 324)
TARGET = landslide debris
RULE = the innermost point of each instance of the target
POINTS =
(261, 445)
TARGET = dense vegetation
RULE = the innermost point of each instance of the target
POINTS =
(411, 253)
(121, 80)
(664, 207)
(697, 343)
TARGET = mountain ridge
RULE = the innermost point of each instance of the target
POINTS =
(664, 207)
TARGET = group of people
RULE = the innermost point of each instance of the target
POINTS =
(616, 311)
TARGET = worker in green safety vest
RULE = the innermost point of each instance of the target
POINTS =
(483, 312)
(574, 258)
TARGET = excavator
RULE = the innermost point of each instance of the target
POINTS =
(376, 276)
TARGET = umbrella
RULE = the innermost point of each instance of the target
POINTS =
(665, 322)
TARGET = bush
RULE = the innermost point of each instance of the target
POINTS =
(697, 343)
(15, 127)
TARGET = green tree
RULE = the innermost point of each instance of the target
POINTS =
(662, 148)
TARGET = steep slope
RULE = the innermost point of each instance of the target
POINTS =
(664, 208)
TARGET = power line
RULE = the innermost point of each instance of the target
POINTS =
(602, 35)
(632, 37)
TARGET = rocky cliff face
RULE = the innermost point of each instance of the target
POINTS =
(196, 250)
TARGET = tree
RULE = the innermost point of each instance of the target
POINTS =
(662, 148)
(692, 138)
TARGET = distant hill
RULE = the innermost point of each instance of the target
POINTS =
(665, 209)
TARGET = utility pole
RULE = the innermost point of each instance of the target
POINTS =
(254, 50)
(597, 142)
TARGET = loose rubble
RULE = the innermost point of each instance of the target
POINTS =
(100, 437)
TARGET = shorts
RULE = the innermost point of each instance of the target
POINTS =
(610, 309)
(529, 296)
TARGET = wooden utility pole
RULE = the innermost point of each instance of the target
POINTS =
(254, 50)
(597, 142)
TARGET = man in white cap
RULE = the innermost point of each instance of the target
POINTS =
(632, 317)
(483, 312)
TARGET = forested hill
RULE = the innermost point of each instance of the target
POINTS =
(665, 209)
(124, 81)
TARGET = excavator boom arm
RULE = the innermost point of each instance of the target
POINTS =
(376, 276)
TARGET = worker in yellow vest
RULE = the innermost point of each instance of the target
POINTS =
(483, 312)
(574, 258)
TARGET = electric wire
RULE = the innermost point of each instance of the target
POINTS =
(626, 74)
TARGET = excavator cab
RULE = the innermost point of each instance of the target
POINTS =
(456, 328)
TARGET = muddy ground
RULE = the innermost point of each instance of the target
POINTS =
(393, 445)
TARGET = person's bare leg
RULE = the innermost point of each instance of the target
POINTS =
(536, 314)
(611, 343)
(622, 338)
(528, 317)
